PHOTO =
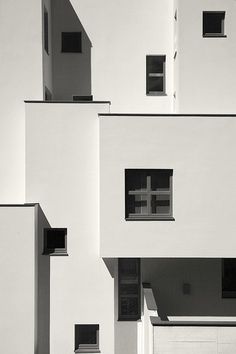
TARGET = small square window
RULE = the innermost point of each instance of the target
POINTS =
(55, 242)
(213, 23)
(148, 194)
(71, 42)
(229, 278)
(87, 338)
(155, 74)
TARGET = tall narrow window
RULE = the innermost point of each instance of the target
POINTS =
(148, 194)
(129, 289)
(229, 278)
(155, 74)
(213, 23)
(45, 32)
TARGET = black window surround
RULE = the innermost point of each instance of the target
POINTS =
(155, 75)
(148, 194)
(87, 338)
(129, 289)
(229, 278)
(55, 242)
(71, 42)
(213, 24)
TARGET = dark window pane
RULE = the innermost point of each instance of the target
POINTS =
(137, 180)
(71, 42)
(155, 84)
(129, 306)
(213, 22)
(155, 64)
(160, 181)
(160, 204)
(56, 239)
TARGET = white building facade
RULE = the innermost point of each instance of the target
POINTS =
(118, 177)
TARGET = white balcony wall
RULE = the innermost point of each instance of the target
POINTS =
(200, 150)
(62, 164)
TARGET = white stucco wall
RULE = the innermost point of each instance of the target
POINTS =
(122, 34)
(200, 150)
(207, 82)
(20, 79)
(17, 272)
(62, 174)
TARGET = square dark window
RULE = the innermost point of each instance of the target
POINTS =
(155, 74)
(213, 23)
(71, 42)
(55, 242)
(148, 194)
(45, 30)
(87, 338)
(129, 289)
(229, 278)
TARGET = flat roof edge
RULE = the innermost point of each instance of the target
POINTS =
(19, 205)
(70, 102)
(164, 115)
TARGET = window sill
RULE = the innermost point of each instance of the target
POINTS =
(150, 218)
(156, 94)
(55, 254)
(214, 36)
(87, 351)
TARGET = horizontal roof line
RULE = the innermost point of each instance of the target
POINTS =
(19, 205)
(76, 102)
(157, 322)
(164, 115)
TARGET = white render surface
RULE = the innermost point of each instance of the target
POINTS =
(122, 33)
(205, 66)
(62, 175)
(17, 273)
(201, 152)
(181, 340)
(20, 79)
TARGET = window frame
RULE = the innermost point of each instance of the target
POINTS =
(62, 251)
(83, 347)
(214, 34)
(148, 192)
(74, 51)
(155, 74)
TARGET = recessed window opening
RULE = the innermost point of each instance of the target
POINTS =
(213, 23)
(87, 338)
(55, 242)
(155, 74)
(71, 42)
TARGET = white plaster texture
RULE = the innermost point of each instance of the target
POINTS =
(200, 150)
(62, 164)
